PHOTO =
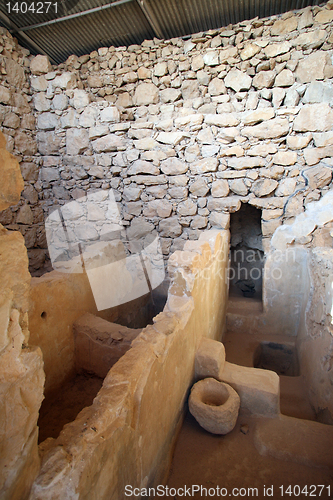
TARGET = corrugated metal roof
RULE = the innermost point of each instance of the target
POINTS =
(130, 21)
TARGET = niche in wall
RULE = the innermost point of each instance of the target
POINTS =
(246, 253)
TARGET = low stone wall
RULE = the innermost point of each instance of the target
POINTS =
(57, 300)
(126, 437)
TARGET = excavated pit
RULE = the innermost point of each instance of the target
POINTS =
(279, 358)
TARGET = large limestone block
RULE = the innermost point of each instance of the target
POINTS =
(209, 359)
(310, 40)
(284, 26)
(259, 390)
(314, 118)
(146, 93)
(214, 405)
(270, 129)
(319, 92)
(174, 166)
(313, 67)
(110, 142)
(11, 179)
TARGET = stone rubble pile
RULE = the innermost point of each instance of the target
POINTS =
(184, 131)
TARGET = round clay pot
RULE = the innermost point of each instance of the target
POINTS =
(214, 405)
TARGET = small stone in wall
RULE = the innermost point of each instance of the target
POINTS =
(284, 79)
(173, 166)
(145, 93)
(319, 92)
(312, 67)
(323, 139)
(239, 187)
(286, 187)
(77, 141)
(324, 17)
(47, 121)
(38, 83)
(262, 150)
(264, 187)
(284, 26)
(216, 87)
(250, 50)
(41, 103)
(238, 80)
(257, 116)
(220, 220)
(319, 176)
(40, 65)
(270, 129)
(110, 115)
(187, 207)
(110, 142)
(5, 95)
(81, 99)
(310, 39)
(170, 228)
(229, 204)
(143, 167)
(264, 80)
(220, 188)
(276, 49)
(222, 120)
(285, 158)
(25, 215)
(204, 165)
(25, 144)
(211, 58)
(170, 95)
(60, 102)
(199, 187)
(298, 141)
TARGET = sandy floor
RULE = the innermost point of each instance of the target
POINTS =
(232, 461)
(61, 408)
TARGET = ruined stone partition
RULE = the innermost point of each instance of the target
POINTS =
(127, 435)
(21, 365)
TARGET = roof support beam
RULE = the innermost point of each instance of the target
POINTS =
(16, 29)
(149, 15)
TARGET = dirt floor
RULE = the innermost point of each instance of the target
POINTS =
(62, 407)
(232, 461)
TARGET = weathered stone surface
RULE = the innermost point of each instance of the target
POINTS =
(199, 187)
(312, 67)
(239, 187)
(48, 143)
(222, 120)
(250, 50)
(60, 102)
(264, 187)
(319, 92)
(319, 176)
(40, 65)
(284, 26)
(219, 220)
(314, 118)
(11, 180)
(214, 405)
(286, 187)
(81, 99)
(314, 155)
(205, 165)
(146, 93)
(276, 49)
(110, 142)
(4, 95)
(211, 58)
(268, 129)
(47, 121)
(160, 208)
(187, 207)
(243, 163)
(197, 63)
(262, 150)
(298, 141)
(172, 138)
(142, 167)
(285, 158)
(324, 17)
(110, 115)
(264, 79)
(41, 103)
(237, 80)
(77, 141)
(284, 79)
(49, 174)
(190, 89)
(323, 139)
(228, 204)
(170, 95)
(310, 39)
(25, 144)
(257, 116)
(220, 188)
(216, 87)
(209, 358)
(173, 166)
(39, 83)
(170, 228)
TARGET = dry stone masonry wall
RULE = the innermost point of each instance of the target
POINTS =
(185, 131)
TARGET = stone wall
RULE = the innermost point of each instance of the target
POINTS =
(21, 366)
(129, 429)
(17, 123)
(184, 131)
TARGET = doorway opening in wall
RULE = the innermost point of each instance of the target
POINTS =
(246, 253)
